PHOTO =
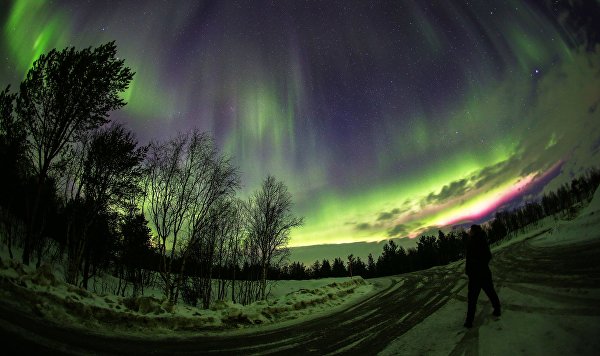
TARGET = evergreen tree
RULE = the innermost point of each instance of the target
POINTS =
(315, 269)
(338, 269)
(371, 268)
(326, 269)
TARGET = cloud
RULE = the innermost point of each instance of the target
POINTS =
(429, 231)
(385, 216)
(363, 226)
(388, 215)
(398, 230)
(495, 173)
(565, 112)
(454, 189)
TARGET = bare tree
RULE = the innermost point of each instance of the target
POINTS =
(170, 196)
(235, 252)
(229, 256)
(270, 220)
(64, 94)
(186, 176)
(250, 287)
(208, 253)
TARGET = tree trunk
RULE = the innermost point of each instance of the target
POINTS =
(32, 232)
(233, 285)
(180, 278)
(263, 286)
(86, 270)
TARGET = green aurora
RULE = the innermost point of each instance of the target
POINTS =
(433, 117)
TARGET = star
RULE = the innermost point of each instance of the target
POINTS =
(334, 105)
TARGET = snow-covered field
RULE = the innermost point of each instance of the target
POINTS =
(551, 303)
(48, 296)
(537, 319)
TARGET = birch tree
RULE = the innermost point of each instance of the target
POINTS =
(186, 177)
(270, 220)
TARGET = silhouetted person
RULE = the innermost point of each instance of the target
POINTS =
(480, 276)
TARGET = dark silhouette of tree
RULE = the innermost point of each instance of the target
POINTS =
(136, 251)
(371, 268)
(14, 169)
(498, 227)
(358, 267)
(350, 264)
(207, 251)
(426, 247)
(326, 269)
(186, 178)
(297, 271)
(108, 185)
(236, 234)
(113, 169)
(270, 221)
(13, 144)
(65, 94)
(387, 263)
(315, 269)
(338, 269)
(443, 247)
(449, 248)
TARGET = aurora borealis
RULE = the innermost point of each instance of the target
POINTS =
(384, 118)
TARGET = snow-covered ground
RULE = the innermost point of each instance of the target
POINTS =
(47, 295)
(537, 319)
(554, 309)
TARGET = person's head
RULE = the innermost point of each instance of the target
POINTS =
(476, 231)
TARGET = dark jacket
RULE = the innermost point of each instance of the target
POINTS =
(478, 257)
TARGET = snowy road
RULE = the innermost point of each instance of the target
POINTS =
(365, 327)
(370, 326)
(550, 284)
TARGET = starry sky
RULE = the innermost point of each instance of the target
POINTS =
(384, 118)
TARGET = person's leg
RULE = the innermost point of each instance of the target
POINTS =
(488, 287)
(473, 294)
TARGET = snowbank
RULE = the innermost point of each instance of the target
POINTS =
(585, 227)
(40, 292)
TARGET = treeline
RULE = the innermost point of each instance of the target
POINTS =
(430, 251)
(564, 201)
(79, 190)
(445, 248)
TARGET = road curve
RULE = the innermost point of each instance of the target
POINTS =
(364, 328)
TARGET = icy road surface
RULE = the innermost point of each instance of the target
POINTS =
(530, 279)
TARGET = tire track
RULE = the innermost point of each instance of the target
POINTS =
(372, 324)
(568, 266)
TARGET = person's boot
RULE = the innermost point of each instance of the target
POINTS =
(468, 324)
(497, 312)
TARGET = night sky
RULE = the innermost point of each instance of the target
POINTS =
(384, 118)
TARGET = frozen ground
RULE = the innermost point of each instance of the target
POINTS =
(42, 293)
(548, 280)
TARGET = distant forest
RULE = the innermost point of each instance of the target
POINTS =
(445, 248)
